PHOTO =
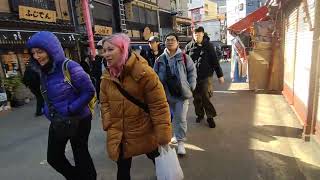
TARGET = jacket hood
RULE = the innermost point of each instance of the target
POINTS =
(166, 52)
(49, 42)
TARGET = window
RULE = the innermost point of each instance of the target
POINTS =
(102, 12)
(135, 12)
(241, 7)
(142, 18)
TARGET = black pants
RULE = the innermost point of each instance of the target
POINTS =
(40, 104)
(124, 165)
(84, 168)
(40, 101)
(202, 94)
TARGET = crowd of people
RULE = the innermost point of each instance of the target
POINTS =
(144, 98)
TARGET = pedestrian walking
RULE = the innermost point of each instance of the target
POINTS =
(31, 79)
(134, 109)
(98, 66)
(203, 55)
(66, 106)
(153, 52)
(178, 75)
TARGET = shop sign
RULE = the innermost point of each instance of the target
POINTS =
(135, 33)
(37, 14)
(102, 30)
(129, 32)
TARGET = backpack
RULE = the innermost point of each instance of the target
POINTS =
(67, 79)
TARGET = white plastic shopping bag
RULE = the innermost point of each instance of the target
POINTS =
(167, 164)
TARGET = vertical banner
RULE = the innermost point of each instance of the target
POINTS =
(86, 14)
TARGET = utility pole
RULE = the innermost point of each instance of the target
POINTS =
(87, 18)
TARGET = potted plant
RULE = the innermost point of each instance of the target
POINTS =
(11, 84)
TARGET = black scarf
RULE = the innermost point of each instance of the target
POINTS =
(47, 67)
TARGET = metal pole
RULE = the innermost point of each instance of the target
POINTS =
(86, 14)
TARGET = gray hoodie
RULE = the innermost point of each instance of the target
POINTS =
(185, 72)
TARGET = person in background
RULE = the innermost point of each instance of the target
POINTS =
(153, 52)
(178, 75)
(132, 129)
(98, 66)
(31, 79)
(65, 104)
(203, 55)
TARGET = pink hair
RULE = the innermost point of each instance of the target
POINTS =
(122, 41)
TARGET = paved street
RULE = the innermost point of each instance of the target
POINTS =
(257, 138)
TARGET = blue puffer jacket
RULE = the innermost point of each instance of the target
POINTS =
(66, 101)
(185, 72)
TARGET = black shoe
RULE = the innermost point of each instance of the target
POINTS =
(38, 114)
(199, 119)
(211, 123)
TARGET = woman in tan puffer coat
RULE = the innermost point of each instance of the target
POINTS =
(130, 130)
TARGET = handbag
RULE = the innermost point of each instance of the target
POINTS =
(168, 165)
(64, 127)
(132, 99)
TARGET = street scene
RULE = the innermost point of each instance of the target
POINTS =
(159, 90)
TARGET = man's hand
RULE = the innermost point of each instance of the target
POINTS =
(221, 80)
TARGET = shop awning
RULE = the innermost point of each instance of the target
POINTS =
(244, 24)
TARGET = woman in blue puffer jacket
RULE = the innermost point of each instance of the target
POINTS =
(67, 102)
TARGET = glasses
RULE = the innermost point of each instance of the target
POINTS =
(171, 40)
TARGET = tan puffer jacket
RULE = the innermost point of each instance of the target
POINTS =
(125, 122)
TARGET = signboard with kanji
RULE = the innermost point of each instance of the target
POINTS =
(36, 14)
(102, 30)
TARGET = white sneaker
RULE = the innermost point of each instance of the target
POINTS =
(174, 140)
(181, 148)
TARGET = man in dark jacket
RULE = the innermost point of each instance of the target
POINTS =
(31, 79)
(152, 53)
(203, 54)
(98, 66)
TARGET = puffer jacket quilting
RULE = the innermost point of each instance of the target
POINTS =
(64, 98)
(125, 122)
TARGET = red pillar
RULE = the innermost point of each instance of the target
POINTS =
(86, 14)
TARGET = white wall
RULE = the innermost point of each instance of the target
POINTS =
(234, 14)
(212, 28)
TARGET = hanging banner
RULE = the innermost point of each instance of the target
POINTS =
(240, 49)
(36, 14)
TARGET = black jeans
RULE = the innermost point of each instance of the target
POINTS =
(201, 98)
(84, 168)
(40, 101)
(40, 104)
(124, 165)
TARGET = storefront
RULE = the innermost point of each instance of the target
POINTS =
(298, 42)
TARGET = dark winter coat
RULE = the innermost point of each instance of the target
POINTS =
(31, 78)
(64, 98)
(205, 59)
(150, 56)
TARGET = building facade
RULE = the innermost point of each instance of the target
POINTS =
(300, 47)
(238, 9)
(19, 20)
(142, 19)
